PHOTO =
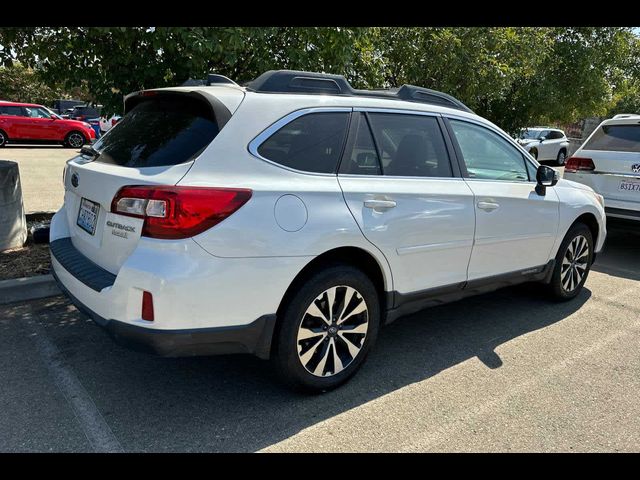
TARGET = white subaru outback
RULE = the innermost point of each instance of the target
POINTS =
(293, 217)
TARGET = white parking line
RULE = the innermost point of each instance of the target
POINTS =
(96, 429)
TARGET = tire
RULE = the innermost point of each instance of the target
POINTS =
(564, 285)
(74, 139)
(3, 139)
(534, 153)
(329, 355)
(562, 156)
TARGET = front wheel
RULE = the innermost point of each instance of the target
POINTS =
(562, 156)
(573, 263)
(327, 329)
(3, 138)
(75, 140)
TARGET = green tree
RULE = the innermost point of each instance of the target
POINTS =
(21, 84)
(116, 61)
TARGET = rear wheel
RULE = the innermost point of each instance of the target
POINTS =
(327, 329)
(3, 138)
(75, 140)
(573, 263)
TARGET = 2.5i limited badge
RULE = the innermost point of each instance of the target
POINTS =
(120, 230)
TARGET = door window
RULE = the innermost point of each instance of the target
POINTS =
(12, 110)
(361, 157)
(487, 155)
(410, 145)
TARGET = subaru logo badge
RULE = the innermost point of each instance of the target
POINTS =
(635, 168)
(74, 179)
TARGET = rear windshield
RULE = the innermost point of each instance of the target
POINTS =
(617, 138)
(158, 132)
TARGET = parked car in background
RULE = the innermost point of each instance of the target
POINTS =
(31, 123)
(545, 143)
(84, 112)
(293, 217)
(609, 162)
(95, 124)
(61, 106)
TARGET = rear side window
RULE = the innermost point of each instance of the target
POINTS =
(159, 131)
(312, 142)
(410, 145)
(617, 138)
(11, 110)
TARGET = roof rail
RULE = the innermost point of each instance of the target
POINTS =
(293, 81)
(626, 115)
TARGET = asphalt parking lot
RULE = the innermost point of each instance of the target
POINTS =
(40, 174)
(505, 371)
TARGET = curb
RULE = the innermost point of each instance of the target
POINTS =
(27, 288)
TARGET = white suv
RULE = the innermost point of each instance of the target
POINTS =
(609, 162)
(545, 143)
(293, 217)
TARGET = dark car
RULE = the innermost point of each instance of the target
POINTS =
(84, 112)
(61, 106)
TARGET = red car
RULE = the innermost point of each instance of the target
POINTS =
(30, 123)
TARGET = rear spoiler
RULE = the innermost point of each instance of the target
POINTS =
(220, 112)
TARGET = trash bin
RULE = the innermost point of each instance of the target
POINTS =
(13, 224)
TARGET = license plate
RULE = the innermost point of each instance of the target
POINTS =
(630, 186)
(88, 215)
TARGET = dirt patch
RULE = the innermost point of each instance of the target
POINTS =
(27, 261)
(33, 258)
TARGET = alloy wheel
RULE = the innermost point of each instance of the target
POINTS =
(76, 140)
(574, 263)
(332, 331)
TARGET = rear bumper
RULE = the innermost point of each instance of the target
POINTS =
(622, 213)
(253, 338)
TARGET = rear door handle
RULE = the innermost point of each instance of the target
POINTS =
(488, 206)
(376, 204)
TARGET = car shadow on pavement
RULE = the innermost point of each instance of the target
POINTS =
(621, 254)
(235, 403)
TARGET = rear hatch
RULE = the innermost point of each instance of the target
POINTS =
(161, 135)
(614, 149)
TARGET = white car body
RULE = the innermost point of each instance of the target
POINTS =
(548, 144)
(616, 167)
(443, 235)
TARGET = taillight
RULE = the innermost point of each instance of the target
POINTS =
(171, 212)
(574, 164)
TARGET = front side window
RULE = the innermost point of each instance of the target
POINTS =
(311, 143)
(36, 112)
(487, 155)
(615, 138)
(410, 145)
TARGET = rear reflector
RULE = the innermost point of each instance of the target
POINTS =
(147, 306)
(578, 163)
(171, 212)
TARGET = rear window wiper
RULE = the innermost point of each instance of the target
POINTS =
(89, 151)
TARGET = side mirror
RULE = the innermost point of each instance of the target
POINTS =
(542, 139)
(545, 177)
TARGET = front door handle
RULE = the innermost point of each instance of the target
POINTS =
(379, 204)
(488, 206)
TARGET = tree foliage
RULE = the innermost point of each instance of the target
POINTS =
(513, 76)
